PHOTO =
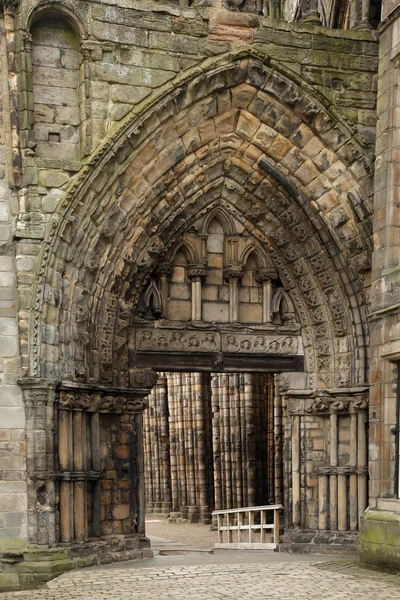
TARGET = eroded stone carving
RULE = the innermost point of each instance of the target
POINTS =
(212, 341)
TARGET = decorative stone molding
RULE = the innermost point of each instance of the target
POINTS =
(9, 5)
(100, 403)
(196, 272)
(165, 270)
(157, 340)
(233, 271)
(266, 274)
(328, 402)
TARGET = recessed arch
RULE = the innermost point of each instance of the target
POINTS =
(56, 11)
(222, 217)
(274, 179)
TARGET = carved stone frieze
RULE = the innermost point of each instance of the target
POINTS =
(156, 340)
(260, 344)
(329, 402)
(75, 400)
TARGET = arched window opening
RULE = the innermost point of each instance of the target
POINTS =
(55, 78)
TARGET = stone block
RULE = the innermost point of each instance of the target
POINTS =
(180, 291)
(6, 263)
(173, 43)
(9, 487)
(120, 34)
(45, 94)
(67, 115)
(16, 519)
(12, 417)
(55, 77)
(215, 312)
(8, 345)
(128, 93)
(4, 212)
(15, 502)
(120, 74)
(179, 310)
(154, 78)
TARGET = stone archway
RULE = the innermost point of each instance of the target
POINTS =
(239, 137)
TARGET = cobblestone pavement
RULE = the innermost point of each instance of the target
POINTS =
(284, 581)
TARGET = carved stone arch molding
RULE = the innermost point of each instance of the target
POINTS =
(273, 146)
(238, 136)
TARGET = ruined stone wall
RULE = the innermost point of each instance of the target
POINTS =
(125, 55)
(380, 532)
(13, 500)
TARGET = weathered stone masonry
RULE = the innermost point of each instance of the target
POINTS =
(128, 128)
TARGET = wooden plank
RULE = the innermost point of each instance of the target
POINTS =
(247, 509)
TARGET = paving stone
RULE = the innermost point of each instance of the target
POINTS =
(331, 580)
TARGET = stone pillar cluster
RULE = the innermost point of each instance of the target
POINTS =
(325, 457)
(209, 443)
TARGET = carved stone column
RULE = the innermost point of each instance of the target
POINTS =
(196, 274)
(39, 397)
(164, 272)
(265, 277)
(233, 274)
(360, 15)
(310, 12)
(273, 9)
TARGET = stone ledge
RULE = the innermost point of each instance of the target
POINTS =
(380, 540)
(316, 542)
(27, 567)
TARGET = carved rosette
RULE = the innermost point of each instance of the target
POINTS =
(196, 272)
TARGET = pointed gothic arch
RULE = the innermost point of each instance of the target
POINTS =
(261, 171)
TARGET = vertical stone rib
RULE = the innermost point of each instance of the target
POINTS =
(173, 441)
(333, 484)
(79, 494)
(278, 440)
(138, 423)
(353, 516)
(64, 453)
(296, 470)
(323, 502)
(250, 439)
(362, 462)
(216, 441)
(96, 466)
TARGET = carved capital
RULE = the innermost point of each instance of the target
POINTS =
(266, 274)
(9, 5)
(165, 270)
(196, 272)
(233, 271)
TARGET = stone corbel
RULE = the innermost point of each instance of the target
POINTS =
(232, 275)
(265, 277)
(196, 273)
